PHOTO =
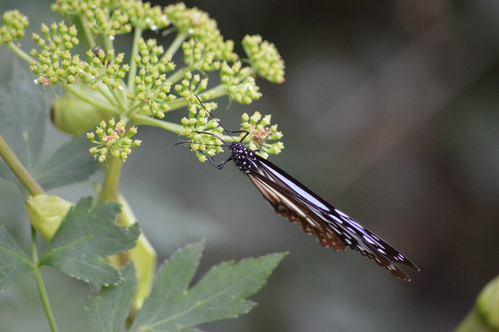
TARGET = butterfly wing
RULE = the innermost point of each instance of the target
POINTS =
(330, 226)
(297, 212)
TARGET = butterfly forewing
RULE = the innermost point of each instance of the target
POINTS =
(330, 226)
(328, 233)
(297, 212)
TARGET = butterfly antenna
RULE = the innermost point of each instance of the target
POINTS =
(229, 132)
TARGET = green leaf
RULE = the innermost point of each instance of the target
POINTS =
(84, 237)
(22, 124)
(109, 309)
(13, 261)
(70, 164)
(22, 120)
(220, 294)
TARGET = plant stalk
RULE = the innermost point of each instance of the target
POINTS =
(39, 281)
(19, 170)
(110, 190)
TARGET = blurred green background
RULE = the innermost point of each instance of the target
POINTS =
(390, 111)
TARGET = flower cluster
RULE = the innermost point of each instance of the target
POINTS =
(190, 85)
(151, 85)
(198, 56)
(240, 85)
(104, 67)
(55, 60)
(143, 16)
(114, 140)
(204, 133)
(264, 58)
(78, 7)
(260, 132)
(14, 26)
(101, 19)
(199, 26)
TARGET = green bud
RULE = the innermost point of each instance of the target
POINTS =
(201, 157)
(74, 116)
(487, 304)
(46, 213)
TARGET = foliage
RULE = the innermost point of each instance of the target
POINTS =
(98, 240)
(173, 306)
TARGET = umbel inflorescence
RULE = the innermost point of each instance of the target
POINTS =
(141, 86)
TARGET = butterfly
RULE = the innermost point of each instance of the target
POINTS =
(291, 199)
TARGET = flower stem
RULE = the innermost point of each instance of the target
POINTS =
(178, 75)
(146, 120)
(173, 127)
(39, 281)
(19, 170)
(109, 191)
(215, 92)
(133, 65)
(179, 39)
(86, 31)
(106, 93)
(91, 100)
(23, 55)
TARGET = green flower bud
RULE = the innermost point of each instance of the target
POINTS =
(46, 213)
(74, 116)
(487, 304)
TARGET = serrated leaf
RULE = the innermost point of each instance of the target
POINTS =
(71, 163)
(84, 237)
(13, 261)
(108, 310)
(22, 120)
(220, 294)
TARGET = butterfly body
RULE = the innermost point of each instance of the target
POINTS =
(332, 228)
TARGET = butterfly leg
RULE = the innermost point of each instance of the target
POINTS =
(214, 163)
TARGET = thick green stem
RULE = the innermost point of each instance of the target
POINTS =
(110, 187)
(39, 281)
(19, 170)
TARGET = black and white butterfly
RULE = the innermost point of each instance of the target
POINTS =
(300, 205)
